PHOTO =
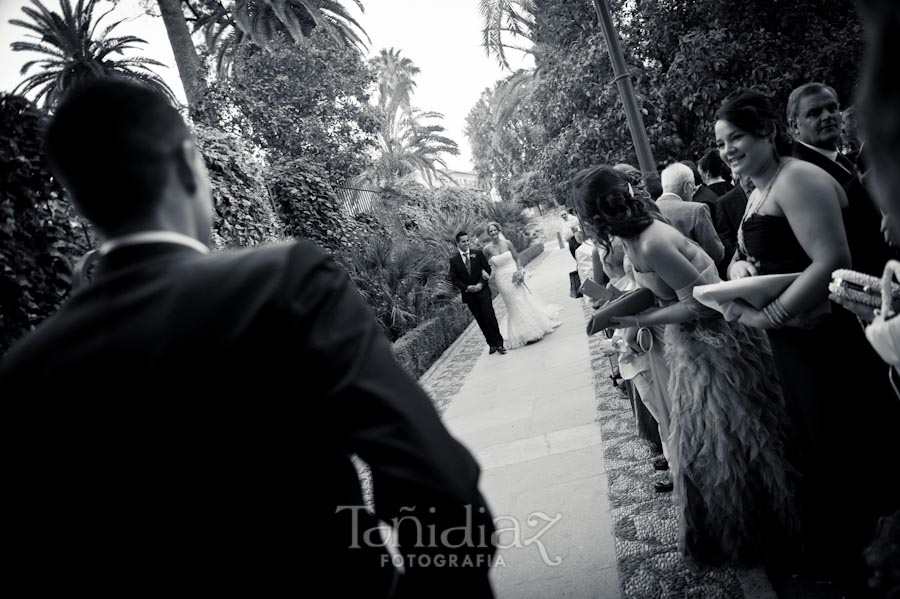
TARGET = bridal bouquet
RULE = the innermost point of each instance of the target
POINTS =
(518, 277)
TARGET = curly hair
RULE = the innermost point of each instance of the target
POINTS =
(755, 113)
(608, 207)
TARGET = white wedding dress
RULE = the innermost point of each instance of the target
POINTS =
(528, 319)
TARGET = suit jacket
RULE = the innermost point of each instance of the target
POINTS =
(720, 188)
(731, 210)
(862, 219)
(707, 196)
(831, 167)
(693, 221)
(728, 220)
(460, 277)
(210, 390)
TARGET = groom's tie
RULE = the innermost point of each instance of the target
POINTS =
(466, 260)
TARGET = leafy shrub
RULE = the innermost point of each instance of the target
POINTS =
(309, 209)
(403, 283)
(40, 234)
(244, 215)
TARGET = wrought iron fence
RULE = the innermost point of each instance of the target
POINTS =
(355, 201)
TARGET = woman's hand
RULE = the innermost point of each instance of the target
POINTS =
(751, 317)
(863, 311)
(741, 269)
(630, 337)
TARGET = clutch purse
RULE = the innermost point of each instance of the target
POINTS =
(862, 288)
(627, 304)
(595, 290)
(757, 291)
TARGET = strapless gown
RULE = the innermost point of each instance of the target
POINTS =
(728, 432)
(528, 319)
(843, 413)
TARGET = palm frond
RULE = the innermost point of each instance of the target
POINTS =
(73, 51)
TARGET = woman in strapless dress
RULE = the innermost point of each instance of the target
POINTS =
(728, 433)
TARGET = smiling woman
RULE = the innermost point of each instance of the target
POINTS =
(794, 223)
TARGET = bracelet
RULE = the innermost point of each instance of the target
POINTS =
(776, 314)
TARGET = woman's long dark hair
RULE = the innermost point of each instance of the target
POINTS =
(607, 205)
(755, 113)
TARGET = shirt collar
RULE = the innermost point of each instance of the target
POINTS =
(830, 154)
(668, 195)
(145, 237)
(465, 254)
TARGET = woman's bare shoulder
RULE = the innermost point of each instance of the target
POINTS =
(803, 181)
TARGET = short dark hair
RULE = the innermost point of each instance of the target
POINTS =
(653, 185)
(111, 142)
(712, 164)
(698, 180)
(460, 234)
(754, 113)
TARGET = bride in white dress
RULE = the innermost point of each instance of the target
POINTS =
(528, 319)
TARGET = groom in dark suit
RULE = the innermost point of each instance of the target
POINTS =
(189, 418)
(466, 267)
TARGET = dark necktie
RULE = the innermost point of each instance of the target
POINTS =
(845, 163)
(466, 260)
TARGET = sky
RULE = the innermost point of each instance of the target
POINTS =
(442, 37)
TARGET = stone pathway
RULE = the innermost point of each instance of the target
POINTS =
(555, 438)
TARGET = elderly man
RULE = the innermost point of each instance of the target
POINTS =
(814, 119)
(692, 219)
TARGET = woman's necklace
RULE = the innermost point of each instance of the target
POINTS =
(761, 196)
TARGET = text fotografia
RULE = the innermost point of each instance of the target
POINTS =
(509, 533)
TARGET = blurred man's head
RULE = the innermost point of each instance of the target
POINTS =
(849, 130)
(129, 161)
(678, 178)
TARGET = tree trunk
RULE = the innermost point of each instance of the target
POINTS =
(190, 69)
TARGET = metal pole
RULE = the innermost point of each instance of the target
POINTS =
(626, 91)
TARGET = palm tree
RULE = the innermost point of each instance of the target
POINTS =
(396, 79)
(74, 51)
(190, 67)
(504, 19)
(410, 145)
(259, 22)
(408, 142)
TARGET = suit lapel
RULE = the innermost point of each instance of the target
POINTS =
(836, 171)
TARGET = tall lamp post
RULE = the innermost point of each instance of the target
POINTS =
(626, 91)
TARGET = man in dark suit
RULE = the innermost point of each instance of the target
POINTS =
(466, 268)
(814, 118)
(728, 219)
(702, 194)
(188, 419)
